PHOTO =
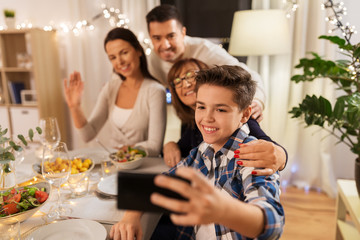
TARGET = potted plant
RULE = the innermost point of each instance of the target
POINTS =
(9, 18)
(7, 150)
(343, 119)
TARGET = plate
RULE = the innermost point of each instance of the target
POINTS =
(70, 229)
(108, 185)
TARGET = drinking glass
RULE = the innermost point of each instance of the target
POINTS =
(10, 230)
(50, 136)
(56, 169)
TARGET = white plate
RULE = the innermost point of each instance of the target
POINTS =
(108, 185)
(70, 229)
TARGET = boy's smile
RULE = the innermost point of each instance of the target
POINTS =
(217, 115)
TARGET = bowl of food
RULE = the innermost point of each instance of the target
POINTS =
(80, 166)
(129, 158)
(19, 204)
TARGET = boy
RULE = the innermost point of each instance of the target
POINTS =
(240, 205)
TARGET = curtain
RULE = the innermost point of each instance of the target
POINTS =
(313, 160)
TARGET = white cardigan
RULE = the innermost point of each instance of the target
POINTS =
(145, 126)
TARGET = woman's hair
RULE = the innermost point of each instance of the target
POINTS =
(184, 112)
(129, 36)
(234, 78)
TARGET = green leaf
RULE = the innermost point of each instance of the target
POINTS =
(334, 39)
(22, 139)
(39, 130)
(339, 108)
(356, 53)
(31, 134)
(4, 132)
(7, 156)
(325, 107)
(15, 147)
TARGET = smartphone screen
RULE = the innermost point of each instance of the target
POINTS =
(134, 190)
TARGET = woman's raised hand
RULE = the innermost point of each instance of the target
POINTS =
(73, 89)
(261, 154)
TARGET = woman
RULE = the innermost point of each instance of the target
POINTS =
(181, 79)
(133, 101)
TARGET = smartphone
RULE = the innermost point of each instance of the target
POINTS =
(134, 190)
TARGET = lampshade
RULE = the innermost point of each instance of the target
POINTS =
(259, 32)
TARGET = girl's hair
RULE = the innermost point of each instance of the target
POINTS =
(129, 36)
(184, 112)
(234, 78)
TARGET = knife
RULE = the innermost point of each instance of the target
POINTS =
(106, 222)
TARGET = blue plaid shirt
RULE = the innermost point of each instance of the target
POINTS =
(237, 181)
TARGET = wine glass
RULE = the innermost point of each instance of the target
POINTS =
(56, 169)
(50, 136)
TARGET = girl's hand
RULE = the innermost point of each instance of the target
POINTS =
(261, 154)
(73, 90)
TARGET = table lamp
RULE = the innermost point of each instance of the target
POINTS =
(259, 32)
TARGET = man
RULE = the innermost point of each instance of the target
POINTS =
(170, 42)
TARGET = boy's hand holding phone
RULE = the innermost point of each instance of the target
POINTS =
(203, 199)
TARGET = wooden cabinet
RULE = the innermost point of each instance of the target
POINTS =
(29, 60)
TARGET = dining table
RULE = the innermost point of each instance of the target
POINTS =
(92, 206)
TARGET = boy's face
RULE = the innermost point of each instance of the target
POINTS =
(167, 39)
(217, 116)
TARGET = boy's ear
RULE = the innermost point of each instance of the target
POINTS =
(246, 114)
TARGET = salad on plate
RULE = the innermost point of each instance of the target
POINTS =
(20, 200)
(128, 154)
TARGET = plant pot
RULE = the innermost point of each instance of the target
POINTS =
(7, 175)
(357, 175)
(10, 22)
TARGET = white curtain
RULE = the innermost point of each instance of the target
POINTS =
(314, 159)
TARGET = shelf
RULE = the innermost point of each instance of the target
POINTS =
(348, 201)
(16, 69)
(36, 51)
(348, 231)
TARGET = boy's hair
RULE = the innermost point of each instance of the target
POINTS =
(184, 112)
(234, 78)
(163, 13)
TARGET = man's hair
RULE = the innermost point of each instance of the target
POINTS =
(163, 13)
(234, 78)
(184, 112)
(129, 36)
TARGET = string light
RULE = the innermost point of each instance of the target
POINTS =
(337, 9)
(290, 7)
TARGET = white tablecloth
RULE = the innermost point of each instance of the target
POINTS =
(90, 206)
